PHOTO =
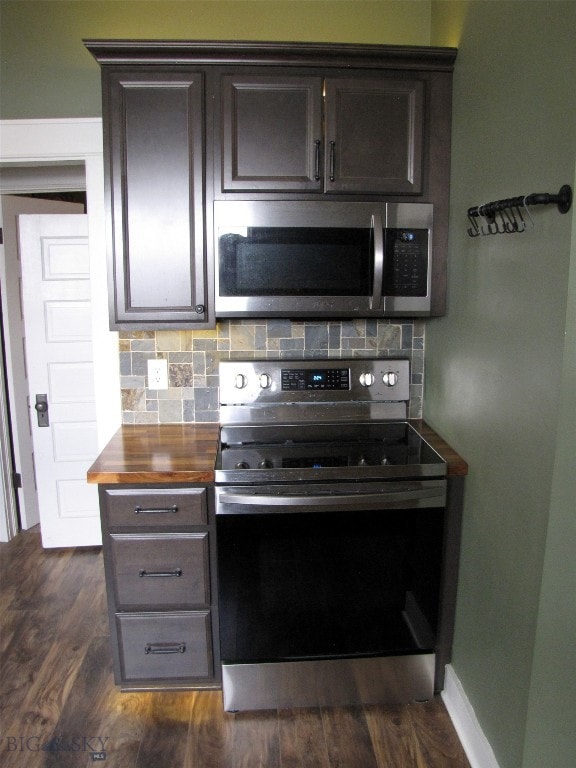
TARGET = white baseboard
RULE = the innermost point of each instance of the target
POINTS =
(475, 744)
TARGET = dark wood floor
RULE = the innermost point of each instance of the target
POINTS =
(59, 704)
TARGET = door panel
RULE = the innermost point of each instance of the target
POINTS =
(58, 341)
(374, 132)
(155, 147)
(272, 131)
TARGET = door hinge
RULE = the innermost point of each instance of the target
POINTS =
(1, 236)
(17, 480)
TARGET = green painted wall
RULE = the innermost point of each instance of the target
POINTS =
(46, 71)
(552, 704)
(500, 376)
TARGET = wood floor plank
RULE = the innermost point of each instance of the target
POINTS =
(40, 578)
(22, 661)
(79, 722)
(256, 740)
(165, 736)
(302, 742)
(348, 738)
(437, 739)
(392, 735)
(10, 620)
(48, 647)
(123, 719)
(210, 742)
(14, 555)
(46, 697)
(7, 595)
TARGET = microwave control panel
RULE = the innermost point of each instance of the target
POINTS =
(406, 263)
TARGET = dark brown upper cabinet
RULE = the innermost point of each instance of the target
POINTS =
(271, 133)
(154, 162)
(315, 134)
(374, 130)
(188, 123)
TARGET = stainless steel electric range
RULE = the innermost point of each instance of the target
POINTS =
(330, 514)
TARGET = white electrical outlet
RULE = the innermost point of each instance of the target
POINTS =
(158, 374)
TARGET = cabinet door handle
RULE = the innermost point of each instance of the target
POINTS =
(317, 160)
(332, 159)
(165, 648)
(378, 240)
(155, 510)
(160, 574)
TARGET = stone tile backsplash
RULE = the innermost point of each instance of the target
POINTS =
(193, 357)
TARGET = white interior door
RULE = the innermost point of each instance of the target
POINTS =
(56, 294)
(17, 386)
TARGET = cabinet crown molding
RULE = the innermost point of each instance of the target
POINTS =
(205, 52)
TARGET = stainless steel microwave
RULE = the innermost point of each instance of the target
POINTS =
(322, 259)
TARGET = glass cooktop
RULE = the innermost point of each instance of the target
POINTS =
(322, 451)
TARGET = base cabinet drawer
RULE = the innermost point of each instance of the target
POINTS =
(161, 570)
(157, 507)
(159, 646)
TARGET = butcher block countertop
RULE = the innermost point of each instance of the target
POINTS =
(186, 453)
(158, 453)
(457, 467)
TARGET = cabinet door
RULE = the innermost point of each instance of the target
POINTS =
(154, 124)
(374, 135)
(271, 133)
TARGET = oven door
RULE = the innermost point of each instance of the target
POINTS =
(329, 594)
(306, 259)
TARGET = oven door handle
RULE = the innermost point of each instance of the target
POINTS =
(412, 497)
(378, 240)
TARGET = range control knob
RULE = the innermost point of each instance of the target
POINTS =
(265, 380)
(242, 465)
(362, 462)
(265, 464)
(240, 381)
(367, 379)
(390, 378)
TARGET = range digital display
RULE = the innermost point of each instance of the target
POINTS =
(317, 378)
(325, 378)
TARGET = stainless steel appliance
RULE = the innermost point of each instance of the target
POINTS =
(322, 259)
(330, 514)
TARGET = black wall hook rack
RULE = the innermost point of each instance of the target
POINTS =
(511, 215)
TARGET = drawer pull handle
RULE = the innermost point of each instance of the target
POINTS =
(159, 574)
(164, 648)
(155, 511)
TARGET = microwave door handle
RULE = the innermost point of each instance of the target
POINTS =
(378, 239)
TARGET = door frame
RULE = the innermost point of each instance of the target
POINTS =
(59, 142)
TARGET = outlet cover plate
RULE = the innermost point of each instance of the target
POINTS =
(158, 374)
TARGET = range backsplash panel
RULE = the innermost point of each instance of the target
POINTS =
(193, 357)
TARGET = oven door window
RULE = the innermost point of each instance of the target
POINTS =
(310, 586)
(296, 261)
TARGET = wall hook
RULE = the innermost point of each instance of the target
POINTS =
(505, 216)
